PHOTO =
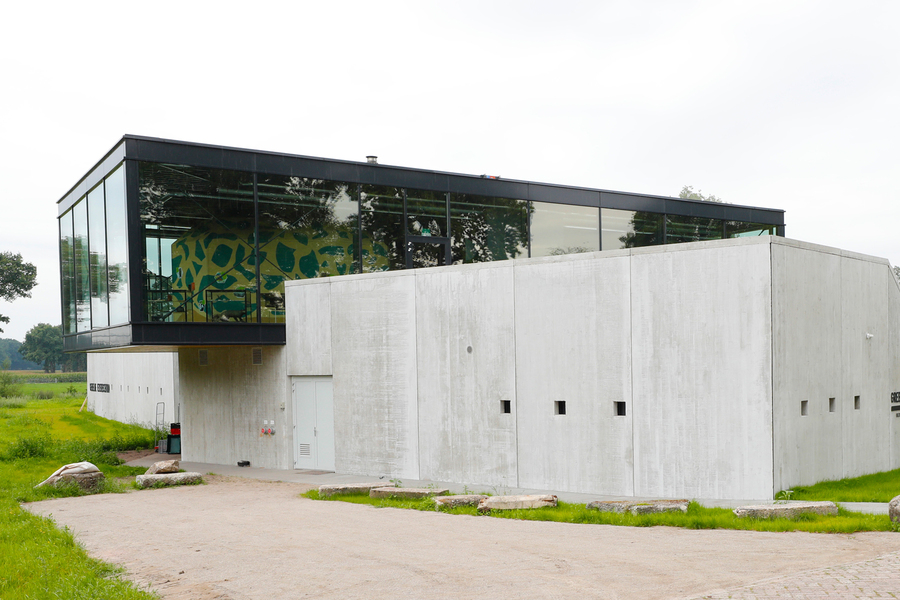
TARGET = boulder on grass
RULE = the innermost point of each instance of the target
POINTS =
(516, 502)
(395, 492)
(163, 466)
(350, 488)
(167, 479)
(456, 501)
(894, 509)
(85, 474)
(639, 508)
(788, 510)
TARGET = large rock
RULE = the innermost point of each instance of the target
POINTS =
(89, 482)
(163, 466)
(894, 509)
(350, 488)
(516, 502)
(457, 501)
(639, 508)
(395, 492)
(787, 511)
(146, 481)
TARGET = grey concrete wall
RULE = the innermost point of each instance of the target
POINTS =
(573, 344)
(681, 335)
(373, 332)
(702, 370)
(137, 382)
(227, 403)
(466, 356)
(825, 303)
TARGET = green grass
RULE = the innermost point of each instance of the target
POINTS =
(37, 559)
(878, 487)
(697, 517)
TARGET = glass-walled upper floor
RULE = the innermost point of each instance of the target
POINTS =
(154, 242)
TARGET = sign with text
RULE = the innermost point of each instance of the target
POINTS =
(99, 387)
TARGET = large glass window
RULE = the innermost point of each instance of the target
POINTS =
(681, 229)
(485, 229)
(426, 213)
(117, 247)
(82, 267)
(307, 228)
(97, 241)
(67, 272)
(735, 229)
(563, 229)
(381, 217)
(631, 229)
(198, 227)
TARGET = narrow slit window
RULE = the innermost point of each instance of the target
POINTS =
(256, 356)
(831, 405)
(855, 402)
(505, 407)
(559, 407)
(620, 409)
(804, 408)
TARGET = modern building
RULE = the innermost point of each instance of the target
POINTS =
(570, 339)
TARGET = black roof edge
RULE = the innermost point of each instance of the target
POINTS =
(411, 169)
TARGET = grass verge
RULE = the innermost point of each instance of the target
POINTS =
(697, 516)
(38, 559)
(877, 487)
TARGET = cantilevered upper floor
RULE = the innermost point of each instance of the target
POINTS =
(166, 244)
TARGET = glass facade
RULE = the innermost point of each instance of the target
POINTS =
(215, 246)
(563, 229)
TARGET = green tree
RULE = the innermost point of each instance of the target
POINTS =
(44, 345)
(16, 279)
(688, 193)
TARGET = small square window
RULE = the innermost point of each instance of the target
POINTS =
(831, 405)
(620, 409)
(804, 408)
(855, 402)
(559, 407)
(505, 406)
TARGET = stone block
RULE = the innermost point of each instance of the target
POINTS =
(639, 508)
(395, 492)
(456, 501)
(516, 502)
(787, 510)
(163, 466)
(350, 488)
(146, 481)
(894, 509)
(89, 482)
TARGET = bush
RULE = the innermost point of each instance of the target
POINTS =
(43, 395)
(33, 445)
(9, 386)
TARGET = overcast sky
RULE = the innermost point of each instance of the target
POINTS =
(784, 104)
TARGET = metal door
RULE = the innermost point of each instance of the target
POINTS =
(313, 404)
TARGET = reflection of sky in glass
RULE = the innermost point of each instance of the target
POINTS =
(615, 224)
(556, 227)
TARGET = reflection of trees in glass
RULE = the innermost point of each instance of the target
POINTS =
(569, 250)
(307, 228)
(486, 229)
(381, 218)
(645, 230)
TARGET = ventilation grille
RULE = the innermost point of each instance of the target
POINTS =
(203, 357)
(304, 450)
(257, 356)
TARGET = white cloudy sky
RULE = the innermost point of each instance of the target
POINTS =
(787, 104)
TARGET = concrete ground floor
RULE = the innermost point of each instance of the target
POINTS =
(241, 538)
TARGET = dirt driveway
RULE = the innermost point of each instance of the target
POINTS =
(239, 538)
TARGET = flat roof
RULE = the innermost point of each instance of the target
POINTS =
(140, 148)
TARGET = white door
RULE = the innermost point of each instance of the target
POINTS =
(313, 423)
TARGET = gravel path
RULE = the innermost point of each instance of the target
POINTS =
(238, 538)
